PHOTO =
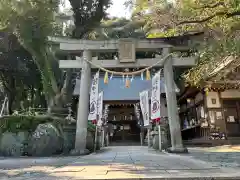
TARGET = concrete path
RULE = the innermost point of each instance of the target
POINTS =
(115, 163)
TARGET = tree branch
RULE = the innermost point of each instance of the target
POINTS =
(211, 6)
(236, 13)
(221, 13)
(87, 15)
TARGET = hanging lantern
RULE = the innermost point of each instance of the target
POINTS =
(127, 82)
(132, 78)
(123, 78)
(206, 91)
(106, 78)
(148, 75)
(111, 76)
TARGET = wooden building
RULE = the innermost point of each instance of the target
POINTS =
(211, 114)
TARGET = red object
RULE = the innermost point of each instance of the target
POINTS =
(156, 120)
(94, 121)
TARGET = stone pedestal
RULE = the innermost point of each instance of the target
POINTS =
(182, 150)
(164, 137)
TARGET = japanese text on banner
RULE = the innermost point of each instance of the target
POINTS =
(144, 103)
(155, 98)
(94, 98)
(100, 108)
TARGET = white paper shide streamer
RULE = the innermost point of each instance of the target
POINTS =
(155, 98)
(100, 108)
(144, 104)
(94, 98)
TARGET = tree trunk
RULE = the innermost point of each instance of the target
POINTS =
(11, 95)
(32, 102)
(11, 98)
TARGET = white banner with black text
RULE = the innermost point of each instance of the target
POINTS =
(94, 98)
(155, 98)
(100, 108)
(144, 104)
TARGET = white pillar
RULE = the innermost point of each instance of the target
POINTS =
(83, 105)
(173, 117)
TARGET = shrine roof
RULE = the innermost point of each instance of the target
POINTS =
(224, 75)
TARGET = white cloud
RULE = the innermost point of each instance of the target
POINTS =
(118, 9)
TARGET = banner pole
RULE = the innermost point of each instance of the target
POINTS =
(103, 133)
(159, 137)
(95, 140)
(148, 134)
(107, 138)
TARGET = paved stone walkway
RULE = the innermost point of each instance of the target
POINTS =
(115, 163)
(224, 156)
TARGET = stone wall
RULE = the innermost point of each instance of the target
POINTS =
(38, 136)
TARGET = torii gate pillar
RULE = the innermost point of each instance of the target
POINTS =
(173, 117)
(83, 107)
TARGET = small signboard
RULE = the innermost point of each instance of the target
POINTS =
(126, 50)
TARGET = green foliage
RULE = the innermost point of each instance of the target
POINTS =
(91, 127)
(116, 28)
(18, 123)
(28, 123)
(87, 15)
(219, 20)
(211, 57)
(32, 21)
(19, 75)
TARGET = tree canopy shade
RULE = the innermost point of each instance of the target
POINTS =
(19, 76)
(116, 28)
(32, 21)
(219, 20)
(87, 15)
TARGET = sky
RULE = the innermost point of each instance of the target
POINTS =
(116, 10)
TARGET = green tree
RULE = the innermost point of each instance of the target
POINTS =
(87, 15)
(115, 28)
(32, 21)
(219, 20)
(19, 75)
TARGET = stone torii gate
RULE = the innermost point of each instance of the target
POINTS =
(126, 49)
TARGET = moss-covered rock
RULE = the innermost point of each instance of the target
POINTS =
(46, 140)
(23, 123)
(43, 135)
(13, 144)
